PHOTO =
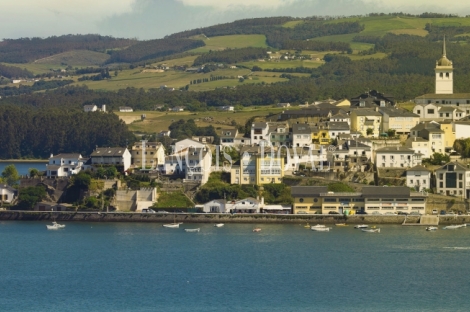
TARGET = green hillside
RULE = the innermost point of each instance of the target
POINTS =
(75, 58)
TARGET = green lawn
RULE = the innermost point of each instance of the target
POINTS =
(173, 200)
(292, 24)
(233, 42)
(158, 121)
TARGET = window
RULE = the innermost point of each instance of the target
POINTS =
(301, 200)
(418, 111)
(447, 75)
(430, 111)
(411, 181)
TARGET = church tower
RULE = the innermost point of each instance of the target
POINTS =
(444, 73)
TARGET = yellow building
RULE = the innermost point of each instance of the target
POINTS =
(150, 153)
(397, 119)
(256, 167)
(364, 119)
(449, 133)
(320, 134)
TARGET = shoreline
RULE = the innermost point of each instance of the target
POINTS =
(73, 216)
(23, 160)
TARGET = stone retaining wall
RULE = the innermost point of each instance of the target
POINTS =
(216, 218)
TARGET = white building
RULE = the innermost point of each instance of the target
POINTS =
(418, 178)
(461, 129)
(432, 132)
(194, 163)
(186, 143)
(214, 206)
(148, 154)
(260, 133)
(7, 194)
(125, 109)
(301, 135)
(337, 128)
(397, 157)
(90, 108)
(419, 145)
(64, 165)
(247, 205)
(119, 156)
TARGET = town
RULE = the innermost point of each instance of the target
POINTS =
(389, 160)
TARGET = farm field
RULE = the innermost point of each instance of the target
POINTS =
(159, 121)
(233, 41)
(138, 79)
(37, 68)
(283, 64)
(81, 57)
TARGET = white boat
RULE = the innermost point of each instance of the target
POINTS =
(361, 226)
(320, 228)
(256, 230)
(173, 225)
(55, 226)
(371, 230)
(219, 225)
(192, 230)
(431, 228)
(453, 227)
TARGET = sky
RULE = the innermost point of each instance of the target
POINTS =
(152, 19)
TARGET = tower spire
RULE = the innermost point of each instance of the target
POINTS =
(444, 47)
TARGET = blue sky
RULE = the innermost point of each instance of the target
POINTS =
(150, 19)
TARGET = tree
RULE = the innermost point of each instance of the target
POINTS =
(369, 131)
(10, 175)
(33, 172)
(439, 159)
(391, 132)
(82, 180)
(30, 196)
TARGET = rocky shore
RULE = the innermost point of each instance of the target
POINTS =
(217, 218)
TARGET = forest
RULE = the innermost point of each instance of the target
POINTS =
(26, 50)
(231, 56)
(35, 133)
(12, 72)
(37, 86)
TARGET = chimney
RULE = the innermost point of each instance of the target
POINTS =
(52, 155)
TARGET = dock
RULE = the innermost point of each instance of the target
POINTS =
(426, 220)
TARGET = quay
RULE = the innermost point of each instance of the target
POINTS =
(83, 216)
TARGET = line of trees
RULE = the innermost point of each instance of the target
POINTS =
(231, 56)
(14, 72)
(37, 86)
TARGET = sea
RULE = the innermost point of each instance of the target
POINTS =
(285, 267)
(23, 167)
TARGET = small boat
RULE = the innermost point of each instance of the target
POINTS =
(371, 230)
(361, 226)
(341, 224)
(55, 226)
(192, 230)
(373, 227)
(256, 230)
(307, 226)
(219, 225)
(173, 225)
(431, 228)
(453, 227)
(320, 228)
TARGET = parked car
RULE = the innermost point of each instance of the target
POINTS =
(148, 210)
(375, 213)
(333, 212)
(361, 212)
(162, 211)
(442, 213)
(402, 213)
(414, 213)
(450, 214)
(434, 211)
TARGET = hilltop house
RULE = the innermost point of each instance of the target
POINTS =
(117, 156)
(64, 165)
(147, 154)
(7, 194)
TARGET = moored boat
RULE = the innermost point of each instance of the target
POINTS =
(453, 227)
(172, 225)
(431, 228)
(361, 226)
(192, 230)
(256, 230)
(341, 224)
(219, 225)
(55, 226)
(320, 228)
(371, 230)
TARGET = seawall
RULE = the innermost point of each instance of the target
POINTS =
(216, 218)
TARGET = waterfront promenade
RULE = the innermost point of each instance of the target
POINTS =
(74, 216)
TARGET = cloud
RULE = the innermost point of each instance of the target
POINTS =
(237, 5)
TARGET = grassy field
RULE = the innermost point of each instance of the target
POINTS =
(36, 68)
(158, 121)
(187, 60)
(407, 105)
(292, 24)
(138, 79)
(234, 41)
(74, 58)
(253, 79)
(283, 64)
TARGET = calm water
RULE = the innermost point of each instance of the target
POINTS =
(145, 267)
(23, 167)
